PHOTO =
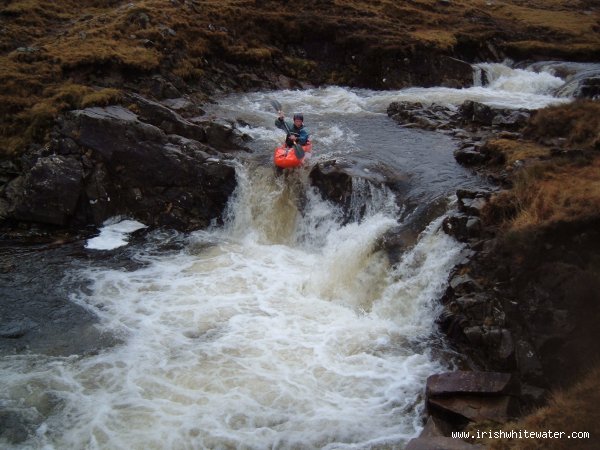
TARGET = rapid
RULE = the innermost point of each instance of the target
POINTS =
(287, 326)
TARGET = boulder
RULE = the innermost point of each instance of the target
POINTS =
(511, 120)
(472, 206)
(335, 178)
(104, 162)
(142, 172)
(222, 134)
(476, 306)
(462, 227)
(469, 156)
(463, 284)
(48, 193)
(332, 181)
(463, 396)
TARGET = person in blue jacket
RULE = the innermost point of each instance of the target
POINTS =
(296, 132)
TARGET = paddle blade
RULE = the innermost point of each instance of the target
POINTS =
(299, 151)
(276, 105)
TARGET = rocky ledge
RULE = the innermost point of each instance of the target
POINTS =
(146, 161)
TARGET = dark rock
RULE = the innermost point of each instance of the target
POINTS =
(528, 362)
(533, 395)
(183, 106)
(482, 114)
(470, 194)
(48, 193)
(472, 206)
(511, 120)
(167, 120)
(335, 180)
(461, 227)
(140, 171)
(104, 129)
(507, 347)
(222, 134)
(589, 88)
(469, 156)
(161, 88)
(476, 306)
(474, 335)
(452, 321)
(332, 181)
(463, 284)
(474, 228)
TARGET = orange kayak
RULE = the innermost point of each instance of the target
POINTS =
(285, 157)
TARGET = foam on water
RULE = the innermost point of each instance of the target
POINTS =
(507, 87)
(114, 234)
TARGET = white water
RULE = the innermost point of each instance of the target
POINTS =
(280, 329)
(244, 342)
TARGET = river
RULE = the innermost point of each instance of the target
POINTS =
(286, 327)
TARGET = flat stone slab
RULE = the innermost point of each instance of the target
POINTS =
(470, 382)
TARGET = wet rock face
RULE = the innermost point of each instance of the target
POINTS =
(333, 182)
(335, 178)
(49, 192)
(154, 166)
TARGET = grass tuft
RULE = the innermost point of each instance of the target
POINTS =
(577, 122)
(548, 192)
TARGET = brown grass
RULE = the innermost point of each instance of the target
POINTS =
(510, 151)
(441, 39)
(574, 23)
(577, 122)
(548, 192)
(572, 410)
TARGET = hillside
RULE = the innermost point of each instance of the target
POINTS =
(63, 55)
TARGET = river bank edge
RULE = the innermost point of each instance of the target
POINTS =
(518, 307)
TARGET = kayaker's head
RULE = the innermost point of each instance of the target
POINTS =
(298, 119)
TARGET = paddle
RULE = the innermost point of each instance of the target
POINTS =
(298, 150)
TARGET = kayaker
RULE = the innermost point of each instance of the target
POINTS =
(297, 133)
